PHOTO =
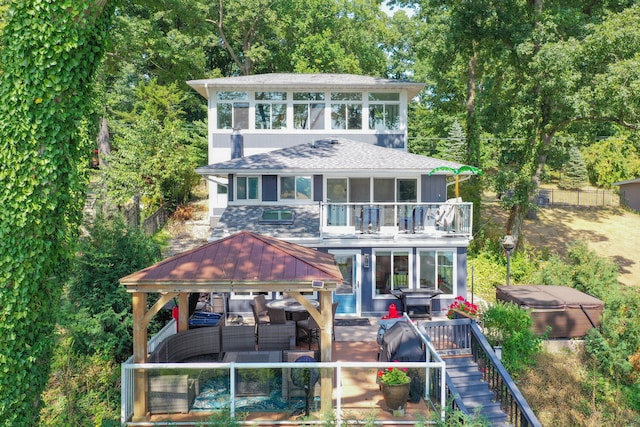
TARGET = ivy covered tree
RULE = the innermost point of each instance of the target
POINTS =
(49, 54)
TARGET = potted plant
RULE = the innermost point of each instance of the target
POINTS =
(395, 383)
(461, 308)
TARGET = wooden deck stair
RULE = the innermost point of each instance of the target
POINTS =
(473, 390)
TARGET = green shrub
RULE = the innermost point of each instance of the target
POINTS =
(508, 325)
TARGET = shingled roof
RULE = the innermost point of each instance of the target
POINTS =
(337, 155)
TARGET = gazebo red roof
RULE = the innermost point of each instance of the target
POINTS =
(243, 259)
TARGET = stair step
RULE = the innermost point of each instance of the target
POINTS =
(465, 376)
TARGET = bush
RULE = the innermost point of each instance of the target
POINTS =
(508, 325)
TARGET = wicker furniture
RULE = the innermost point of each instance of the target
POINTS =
(310, 329)
(188, 344)
(238, 338)
(277, 336)
(172, 393)
(277, 316)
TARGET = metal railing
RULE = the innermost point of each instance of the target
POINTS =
(463, 336)
(451, 218)
(557, 197)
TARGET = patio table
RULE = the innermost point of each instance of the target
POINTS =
(293, 309)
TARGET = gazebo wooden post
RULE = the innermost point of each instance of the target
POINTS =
(183, 311)
(139, 301)
(326, 344)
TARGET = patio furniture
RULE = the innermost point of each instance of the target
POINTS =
(258, 318)
(277, 336)
(261, 304)
(252, 382)
(191, 343)
(238, 338)
(171, 393)
(293, 309)
(277, 316)
(310, 328)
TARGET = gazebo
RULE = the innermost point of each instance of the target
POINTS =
(242, 262)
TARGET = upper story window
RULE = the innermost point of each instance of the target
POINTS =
(346, 110)
(295, 188)
(308, 110)
(384, 111)
(247, 188)
(271, 110)
(233, 110)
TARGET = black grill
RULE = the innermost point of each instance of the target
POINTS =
(416, 302)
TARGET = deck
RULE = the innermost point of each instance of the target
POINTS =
(361, 396)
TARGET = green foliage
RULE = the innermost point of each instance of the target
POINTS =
(574, 175)
(82, 388)
(508, 325)
(49, 55)
(612, 160)
(454, 148)
(583, 269)
(100, 317)
(156, 153)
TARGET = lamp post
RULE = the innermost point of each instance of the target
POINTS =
(509, 245)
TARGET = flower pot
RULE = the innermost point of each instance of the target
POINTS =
(395, 395)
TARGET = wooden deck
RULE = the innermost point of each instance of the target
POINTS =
(361, 397)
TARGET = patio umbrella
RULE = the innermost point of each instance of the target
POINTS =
(464, 168)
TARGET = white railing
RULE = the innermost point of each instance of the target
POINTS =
(450, 218)
(338, 367)
(126, 375)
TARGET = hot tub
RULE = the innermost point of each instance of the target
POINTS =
(569, 312)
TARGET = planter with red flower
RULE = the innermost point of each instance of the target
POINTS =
(395, 384)
(461, 308)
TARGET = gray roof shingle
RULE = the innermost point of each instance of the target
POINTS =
(331, 155)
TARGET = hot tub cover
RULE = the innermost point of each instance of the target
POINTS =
(547, 297)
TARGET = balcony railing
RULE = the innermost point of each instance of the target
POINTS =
(451, 218)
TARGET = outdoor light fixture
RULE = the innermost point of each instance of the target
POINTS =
(509, 245)
(365, 262)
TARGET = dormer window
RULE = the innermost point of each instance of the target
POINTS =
(295, 188)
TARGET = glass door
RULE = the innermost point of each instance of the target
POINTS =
(347, 295)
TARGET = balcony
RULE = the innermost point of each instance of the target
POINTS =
(452, 218)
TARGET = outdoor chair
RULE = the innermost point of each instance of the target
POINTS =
(261, 304)
(258, 318)
(277, 316)
(277, 336)
(310, 329)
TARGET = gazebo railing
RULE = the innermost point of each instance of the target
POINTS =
(365, 370)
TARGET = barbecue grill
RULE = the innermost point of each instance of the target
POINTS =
(416, 302)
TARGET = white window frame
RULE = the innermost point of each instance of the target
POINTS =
(374, 266)
(348, 105)
(384, 103)
(454, 261)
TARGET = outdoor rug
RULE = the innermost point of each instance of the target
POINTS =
(353, 322)
(214, 394)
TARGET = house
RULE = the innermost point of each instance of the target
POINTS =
(322, 161)
(630, 193)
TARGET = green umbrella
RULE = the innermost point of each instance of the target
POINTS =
(464, 168)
